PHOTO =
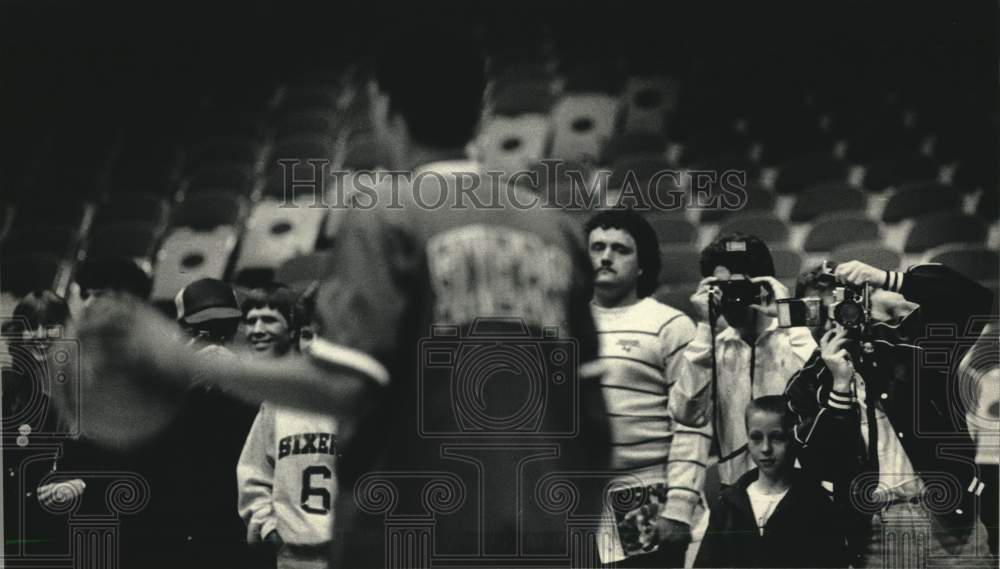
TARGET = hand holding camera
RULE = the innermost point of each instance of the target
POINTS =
(836, 356)
(706, 293)
(859, 274)
(768, 305)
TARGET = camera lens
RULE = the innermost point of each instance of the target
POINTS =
(848, 314)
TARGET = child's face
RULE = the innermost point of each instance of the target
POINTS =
(768, 444)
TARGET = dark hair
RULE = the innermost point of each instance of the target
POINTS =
(756, 261)
(272, 295)
(40, 308)
(646, 242)
(435, 79)
(815, 278)
(776, 404)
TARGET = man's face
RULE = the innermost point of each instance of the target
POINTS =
(615, 260)
(267, 331)
(767, 442)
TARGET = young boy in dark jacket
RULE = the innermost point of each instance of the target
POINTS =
(775, 515)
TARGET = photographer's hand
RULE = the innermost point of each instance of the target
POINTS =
(706, 293)
(778, 291)
(837, 359)
(860, 274)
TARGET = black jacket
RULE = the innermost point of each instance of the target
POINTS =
(805, 529)
(911, 371)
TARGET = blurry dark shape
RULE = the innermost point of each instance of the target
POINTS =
(304, 269)
(917, 198)
(146, 163)
(738, 161)
(231, 179)
(206, 300)
(225, 125)
(972, 175)
(42, 239)
(763, 225)
(133, 239)
(118, 274)
(680, 265)
(219, 152)
(757, 199)
(298, 98)
(621, 146)
(787, 262)
(944, 227)
(138, 206)
(717, 139)
(361, 152)
(306, 123)
(518, 99)
(44, 210)
(832, 230)
(873, 253)
(810, 170)
(208, 210)
(826, 198)
(25, 273)
(988, 207)
(672, 229)
(894, 172)
(974, 261)
(593, 76)
(302, 148)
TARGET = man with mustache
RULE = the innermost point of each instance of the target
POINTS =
(641, 341)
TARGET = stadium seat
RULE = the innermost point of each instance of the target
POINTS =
(218, 152)
(826, 198)
(208, 210)
(274, 234)
(512, 143)
(304, 268)
(974, 261)
(361, 152)
(940, 228)
(621, 146)
(23, 274)
(883, 174)
(873, 253)
(42, 239)
(643, 177)
(314, 147)
(48, 211)
(142, 207)
(988, 206)
(517, 99)
(918, 198)
(944, 227)
(757, 199)
(231, 179)
(672, 229)
(187, 255)
(132, 239)
(809, 170)
(735, 161)
(835, 229)
(969, 176)
(720, 140)
(143, 166)
(238, 124)
(680, 264)
(648, 100)
(563, 184)
(581, 125)
(306, 123)
(787, 262)
(763, 225)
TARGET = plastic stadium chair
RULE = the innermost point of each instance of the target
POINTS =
(306, 123)
(944, 227)
(757, 199)
(232, 179)
(565, 185)
(510, 143)
(581, 125)
(621, 146)
(974, 261)
(142, 207)
(188, 255)
(23, 274)
(969, 176)
(763, 225)
(810, 170)
(872, 253)
(214, 152)
(304, 268)
(50, 240)
(208, 210)
(145, 165)
(47, 211)
(988, 206)
(826, 198)
(915, 199)
(512, 100)
(882, 174)
(274, 234)
(787, 262)
(835, 229)
(647, 177)
(314, 147)
(133, 239)
(672, 229)
(648, 101)
(680, 264)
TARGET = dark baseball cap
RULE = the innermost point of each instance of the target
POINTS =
(206, 299)
(121, 274)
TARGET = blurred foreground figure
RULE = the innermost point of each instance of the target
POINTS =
(449, 346)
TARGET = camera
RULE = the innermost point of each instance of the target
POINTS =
(738, 293)
(850, 306)
(497, 377)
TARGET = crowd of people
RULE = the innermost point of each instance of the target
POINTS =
(263, 422)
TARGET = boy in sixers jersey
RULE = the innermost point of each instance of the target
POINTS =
(286, 471)
(640, 341)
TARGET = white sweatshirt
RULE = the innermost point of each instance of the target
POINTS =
(286, 476)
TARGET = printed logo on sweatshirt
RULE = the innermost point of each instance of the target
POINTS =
(307, 443)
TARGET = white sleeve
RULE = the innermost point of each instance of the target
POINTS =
(255, 477)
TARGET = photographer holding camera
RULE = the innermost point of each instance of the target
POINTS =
(738, 354)
(875, 418)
